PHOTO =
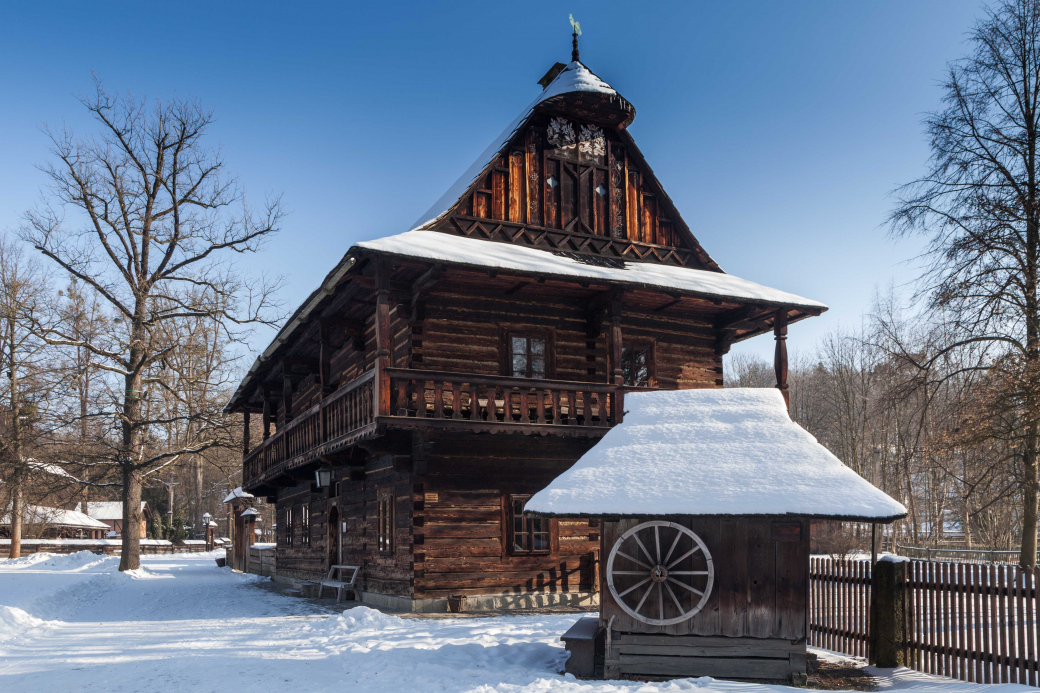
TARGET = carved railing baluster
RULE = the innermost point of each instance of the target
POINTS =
(438, 399)
(456, 399)
(402, 397)
(540, 394)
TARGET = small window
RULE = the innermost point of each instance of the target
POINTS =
(305, 524)
(288, 527)
(385, 532)
(530, 534)
(636, 365)
(528, 356)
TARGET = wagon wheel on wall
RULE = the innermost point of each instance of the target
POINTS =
(660, 573)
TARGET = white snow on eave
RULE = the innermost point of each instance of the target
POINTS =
(108, 510)
(437, 246)
(573, 78)
(731, 451)
(40, 514)
(237, 493)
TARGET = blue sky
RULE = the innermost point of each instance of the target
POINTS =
(780, 129)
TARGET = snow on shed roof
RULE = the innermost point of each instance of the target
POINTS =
(731, 451)
(434, 245)
(573, 78)
(41, 514)
(237, 493)
(108, 510)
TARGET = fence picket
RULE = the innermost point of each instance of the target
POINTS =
(976, 622)
(992, 639)
(1002, 622)
(959, 622)
(1031, 634)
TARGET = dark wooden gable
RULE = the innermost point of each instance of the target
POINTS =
(572, 180)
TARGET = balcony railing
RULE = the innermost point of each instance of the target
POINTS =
(498, 400)
(436, 398)
(330, 425)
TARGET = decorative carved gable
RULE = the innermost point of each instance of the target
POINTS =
(568, 184)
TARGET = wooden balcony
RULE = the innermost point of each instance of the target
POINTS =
(405, 398)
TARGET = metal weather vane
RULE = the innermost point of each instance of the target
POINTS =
(576, 32)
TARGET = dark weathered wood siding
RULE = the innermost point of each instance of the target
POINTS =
(462, 532)
(761, 584)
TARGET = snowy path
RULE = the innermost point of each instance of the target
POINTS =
(181, 624)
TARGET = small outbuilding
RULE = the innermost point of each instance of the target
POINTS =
(243, 517)
(111, 513)
(55, 523)
(705, 498)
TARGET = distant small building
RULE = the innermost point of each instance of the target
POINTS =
(111, 514)
(55, 523)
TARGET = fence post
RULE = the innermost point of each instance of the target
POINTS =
(888, 623)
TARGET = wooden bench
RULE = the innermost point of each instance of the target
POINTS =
(341, 585)
(582, 640)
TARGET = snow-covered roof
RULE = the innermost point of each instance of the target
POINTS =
(237, 493)
(437, 246)
(107, 510)
(250, 512)
(573, 78)
(42, 515)
(731, 451)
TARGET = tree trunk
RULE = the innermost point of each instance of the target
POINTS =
(1030, 489)
(132, 475)
(131, 534)
(16, 444)
(16, 516)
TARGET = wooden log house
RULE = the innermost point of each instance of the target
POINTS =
(439, 378)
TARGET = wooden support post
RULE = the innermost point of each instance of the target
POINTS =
(382, 381)
(780, 357)
(287, 393)
(245, 433)
(616, 344)
(268, 417)
(325, 357)
(888, 622)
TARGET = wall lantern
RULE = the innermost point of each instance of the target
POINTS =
(322, 477)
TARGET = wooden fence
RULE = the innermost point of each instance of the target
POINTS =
(839, 605)
(981, 556)
(99, 546)
(968, 621)
(261, 559)
(972, 622)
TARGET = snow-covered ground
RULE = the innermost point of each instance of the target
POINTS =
(182, 624)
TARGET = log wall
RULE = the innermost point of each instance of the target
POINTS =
(465, 329)
(462, 514)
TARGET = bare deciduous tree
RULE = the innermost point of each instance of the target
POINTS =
(24, 299)
(979, 204)
(154, 219)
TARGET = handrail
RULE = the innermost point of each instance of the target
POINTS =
(351, 386)
(501, 380)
